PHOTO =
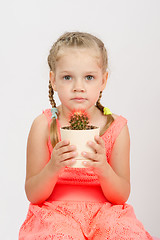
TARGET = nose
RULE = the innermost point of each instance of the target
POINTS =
(78, 85)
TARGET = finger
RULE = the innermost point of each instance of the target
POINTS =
(99, 140)
(88, 164)
(68, 156)
(91, 156)
(96, 147)
(69, 162)
(61, 144)
(66, 149)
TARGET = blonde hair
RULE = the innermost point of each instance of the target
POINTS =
(78, 40)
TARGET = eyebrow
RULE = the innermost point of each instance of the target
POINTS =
(89, 72)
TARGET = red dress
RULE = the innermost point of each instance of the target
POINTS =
(77, 208)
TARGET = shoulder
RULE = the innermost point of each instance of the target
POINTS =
(115, 116)
(40, 120)
(40, 126)
(121, 128)
(122, 121)
(44, 118)
(123, 136)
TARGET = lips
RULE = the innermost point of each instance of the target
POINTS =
(79, 99)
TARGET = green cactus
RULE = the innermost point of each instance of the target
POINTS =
(79, 120)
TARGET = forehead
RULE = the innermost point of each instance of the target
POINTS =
(69, 55)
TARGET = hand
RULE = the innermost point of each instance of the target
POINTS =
(98, 159)
(63, 155)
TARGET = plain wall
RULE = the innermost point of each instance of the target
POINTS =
(131, 33)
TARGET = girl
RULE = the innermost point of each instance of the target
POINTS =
(79, 203)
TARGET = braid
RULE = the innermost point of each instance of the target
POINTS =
(51, 93)
(110, 119)
(53, 127)
(98, 104)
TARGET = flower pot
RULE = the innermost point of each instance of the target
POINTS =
(79, 138)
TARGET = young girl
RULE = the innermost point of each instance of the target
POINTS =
(79, 203)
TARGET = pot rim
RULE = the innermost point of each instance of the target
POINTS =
(67, 128)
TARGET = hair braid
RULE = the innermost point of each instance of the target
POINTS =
(51, 93)
(110, 119)
(53, 127)
(98, 104)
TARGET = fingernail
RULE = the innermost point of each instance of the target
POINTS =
(75, 153)
(73, 146)
(84, 153)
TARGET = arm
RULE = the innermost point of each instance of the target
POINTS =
(115, 181)
(42, 171)
(114, 176)
(40, 175)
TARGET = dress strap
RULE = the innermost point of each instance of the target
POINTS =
(118, 125)
(112, 133)
(48, 115)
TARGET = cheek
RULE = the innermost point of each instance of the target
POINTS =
(94, 93)
(62, 96)
(96, 97)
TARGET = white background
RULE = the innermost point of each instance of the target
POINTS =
(131, 33)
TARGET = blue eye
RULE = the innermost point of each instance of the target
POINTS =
(67, 77)
(89, 77)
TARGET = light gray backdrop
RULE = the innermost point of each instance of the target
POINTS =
(131, 33)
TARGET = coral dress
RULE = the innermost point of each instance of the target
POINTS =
(77, 208)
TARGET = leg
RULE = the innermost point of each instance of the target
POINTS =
(116, 223)
(47, 224)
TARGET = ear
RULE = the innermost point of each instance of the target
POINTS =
(53, 80)
(104, 81)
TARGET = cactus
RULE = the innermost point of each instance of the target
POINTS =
(79, 120)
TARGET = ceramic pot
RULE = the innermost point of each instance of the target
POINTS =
(79, 138)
